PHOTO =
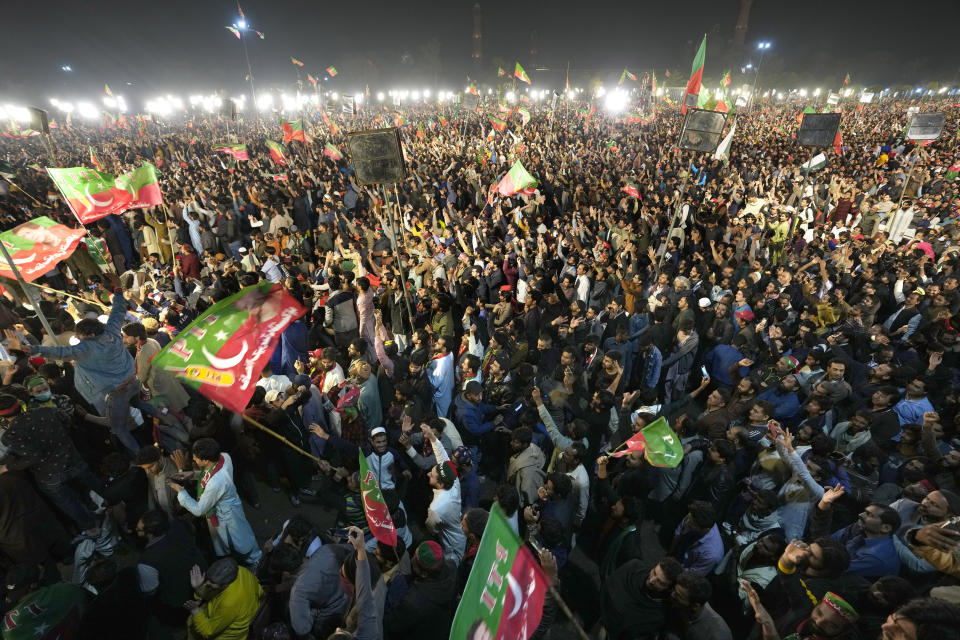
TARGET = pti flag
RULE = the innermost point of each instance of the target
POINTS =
(221, 353)
(332, 152)
(295, 61)
(37, 246)
(238, 151)
(517, 179)
(293, 131)
(696, 76)
(277, 152)
(92, 194)
(520, 74)
(631, 190)
(378, 514)
(94, 160)
(504, 595)
(663, 447)
(332, 71)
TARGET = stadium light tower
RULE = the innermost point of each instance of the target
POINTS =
(763, 46)
(244, 30)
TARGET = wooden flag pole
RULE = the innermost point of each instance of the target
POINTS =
(31, 295)
(46, 289)
(279, 437)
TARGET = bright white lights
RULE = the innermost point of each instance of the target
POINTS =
(816, 92)
(616, 101)
(380, 96)
(66, 68)
(241, 24)
(357, 98)
(87, 110)
(109, 102)
(511, 96)
(601, 91)
(334, 96)
(414, 95)
(66, 107)
(803, 93)
(264, 102)
(763, 46)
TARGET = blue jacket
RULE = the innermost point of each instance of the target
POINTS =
(471, 416)
(102, 363)
(720, 359)
(785, 406)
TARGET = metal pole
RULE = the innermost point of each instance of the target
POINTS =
(30, 293)
(253, 91)
(676, 216)
(396, 250)
(913, 165)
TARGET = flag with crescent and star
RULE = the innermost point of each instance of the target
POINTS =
(504, 595)
(37, 246)
(221, 353)
(375, 507)
(93, 194)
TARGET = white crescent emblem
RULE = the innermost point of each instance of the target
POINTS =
(94, 201)
(225, 363)
(515, 591)
(29, 258)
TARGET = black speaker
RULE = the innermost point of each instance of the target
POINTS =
(38, 120)
(818, 129)
(926, 126)
(701, 130)
(377, 156)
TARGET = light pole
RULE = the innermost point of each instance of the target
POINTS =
(762, 46)
(242, 27)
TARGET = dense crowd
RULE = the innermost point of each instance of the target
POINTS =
(794, 327)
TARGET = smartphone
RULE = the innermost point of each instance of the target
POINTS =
(953, 523)
(703, 371)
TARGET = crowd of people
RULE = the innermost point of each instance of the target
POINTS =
(795, 328)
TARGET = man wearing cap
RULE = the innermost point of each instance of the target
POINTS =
(425, 611)
(105, 374)
(443, 514)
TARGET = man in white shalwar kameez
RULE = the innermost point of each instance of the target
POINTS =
(217, 502)
(444, 513)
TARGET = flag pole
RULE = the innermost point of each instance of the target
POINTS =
(396, 250)
(30, 293)
(279, 437)
(70, 295)
(676, 216)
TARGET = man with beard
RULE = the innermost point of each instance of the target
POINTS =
(634, 602)
(696, 619)
(440, 374)
(498, 384)
(833, 618)
(784, 398)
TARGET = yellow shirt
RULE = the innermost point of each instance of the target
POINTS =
(228, 615)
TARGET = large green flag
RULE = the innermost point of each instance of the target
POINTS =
(222, 353)
(93, 194)
(277, 152)
(504, 595)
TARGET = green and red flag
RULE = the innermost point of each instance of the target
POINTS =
(952, 172)
(332, 152)
(516, 180)
(524, 114)
(94, 160)
(498, 124)
(106, 90)
(142, 125)
(293, 131)
(311, 79)
(260, 34)
(37, 246)
(295, 61)
(277, 152)
(48, 613)
(520, 74)
(234, 31)
(626, 74)
(235, 151)
(332, 71)
(660, 445)
(611, 145)
(443, 121)
(473, 89)
(500, 72)
(92, 194)
(696, 77)
(632, 190)
(726, 79)
(504, 595)
(653, 81)
(221, 353)
(374, 506)
(846, 80)
(420, 135)
(666, 72)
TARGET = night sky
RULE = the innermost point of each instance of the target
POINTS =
(181, 46)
